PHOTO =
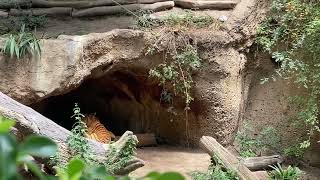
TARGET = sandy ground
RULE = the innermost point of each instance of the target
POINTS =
(167, 158)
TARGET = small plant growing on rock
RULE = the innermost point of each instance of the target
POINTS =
(20, 44)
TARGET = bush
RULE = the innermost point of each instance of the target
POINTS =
(20, 44)
(291, 34)
(278, 173)
(215, 171)
(15, 156)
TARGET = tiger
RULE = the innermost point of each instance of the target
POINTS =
(96, 131)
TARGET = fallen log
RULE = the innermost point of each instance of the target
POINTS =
(3, 14)
(56, 11)
(29, 122)
(87, 3)
(213, 148)
(261, 163)
(110, 10)
(203, 4)
(147, 139)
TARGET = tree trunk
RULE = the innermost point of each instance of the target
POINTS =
(111, 10)
(147, 139)
(213, 148)
(261, 163)
(205, 4)
(87, 3)
(29, 122)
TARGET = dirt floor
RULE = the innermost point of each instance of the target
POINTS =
(183, 160)
(168, 158)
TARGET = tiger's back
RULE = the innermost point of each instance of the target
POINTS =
(96, 130)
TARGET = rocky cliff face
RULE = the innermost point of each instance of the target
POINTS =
(108, 72)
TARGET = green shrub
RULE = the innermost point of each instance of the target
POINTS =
(248, 146)
(15, 156)
(215, 171)
(20, 44)
(77, 141)
(291, 34)
(278, 173)
(33, 22)
(185, 19)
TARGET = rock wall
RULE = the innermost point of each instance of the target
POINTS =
(69, 60)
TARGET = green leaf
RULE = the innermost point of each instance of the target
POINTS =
(8, 154)
(39, 146)
(6, 125)
(170, 176)
(75, 168)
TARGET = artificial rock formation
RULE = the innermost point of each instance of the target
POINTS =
(116, 62)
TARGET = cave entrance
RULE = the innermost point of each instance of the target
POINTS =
(122, 101)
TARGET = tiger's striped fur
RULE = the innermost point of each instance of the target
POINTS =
(96, 130)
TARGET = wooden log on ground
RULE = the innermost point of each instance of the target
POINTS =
(110, 10)
(29, 122)
(146, 139)
(203, 4)
(56, 11)
(3, 14)
(261, 163)
(213, 148)
(87, 3)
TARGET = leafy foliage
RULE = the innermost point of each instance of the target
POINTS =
(185, 19)
(178, 72)
(32, 22)
(14, 156)
(278, 173)
(77, 143)
(248, 146)
(291, 34)
(215, 171)
(20, 44)
(113, 163)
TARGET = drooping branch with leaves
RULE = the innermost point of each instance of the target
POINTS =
(291, 34)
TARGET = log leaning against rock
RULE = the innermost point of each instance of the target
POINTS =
(213, 148)
(29, 122)
(261, 163)
(205, 4)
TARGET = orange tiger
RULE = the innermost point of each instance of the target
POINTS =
(96, 130)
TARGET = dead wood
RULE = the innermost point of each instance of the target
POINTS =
(87, 3)
(110, 10)
(203, 4)
(213, 148)
(147, 139)
(29, 122)
(261, 163)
